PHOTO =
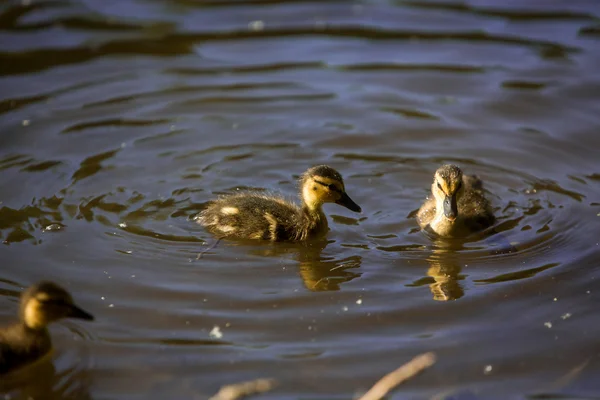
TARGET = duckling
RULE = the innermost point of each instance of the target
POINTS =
(29, 339)
(458, 206)
(253, 215)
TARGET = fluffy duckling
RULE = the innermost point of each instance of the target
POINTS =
(29, 339)
(457, 206)
(252, 215)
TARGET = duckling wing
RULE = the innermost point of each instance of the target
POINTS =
(251, 216)
(19, 347)
(426, 213)
(7, 357)
(473, 182)
(11, 350)
(474, 206)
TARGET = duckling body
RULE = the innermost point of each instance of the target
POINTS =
(20, 345)
(29, 339)
(253, 215)
(457, 205)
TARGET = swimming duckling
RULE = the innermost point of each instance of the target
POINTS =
(458, 206)
(253, 215)
(29, 339)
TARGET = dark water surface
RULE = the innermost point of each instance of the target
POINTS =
(119, 119)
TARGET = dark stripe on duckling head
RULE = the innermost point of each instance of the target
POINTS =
(331, 186)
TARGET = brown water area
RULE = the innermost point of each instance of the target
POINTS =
(121, 119)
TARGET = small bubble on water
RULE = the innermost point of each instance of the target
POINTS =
(256, 26)
(25, 122)
(111, 305)
(123, 225)
(487, 370)
(216, 332)
(53, 228)
(344, 308)
(565, 316)
(359, 302)
(548, 324)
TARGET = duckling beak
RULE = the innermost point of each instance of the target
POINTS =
(347, 202)
(78, 313)
(450, 207)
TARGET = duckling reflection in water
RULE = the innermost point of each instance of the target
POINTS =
(29, 339)
(445, 272)
(253, 215)
(457, 206)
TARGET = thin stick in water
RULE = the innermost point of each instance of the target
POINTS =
(394, 378)
(239, 390)
(207, 250)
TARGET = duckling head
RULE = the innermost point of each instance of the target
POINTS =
(46, 302)
(323, 184)
(447, 189)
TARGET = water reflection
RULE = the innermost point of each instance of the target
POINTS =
(326, 273)
(445, 272)
(448, 256)
(319, 272)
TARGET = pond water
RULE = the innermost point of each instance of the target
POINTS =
(120, 119)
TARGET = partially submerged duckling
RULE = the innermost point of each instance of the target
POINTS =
(253, 215)
(29, 339)
(457, 206)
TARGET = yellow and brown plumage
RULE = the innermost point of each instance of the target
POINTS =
(255, 215)
(29, 339)
(457, 205)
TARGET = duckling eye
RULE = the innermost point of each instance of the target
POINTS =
(440, 186)
(332, 187)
